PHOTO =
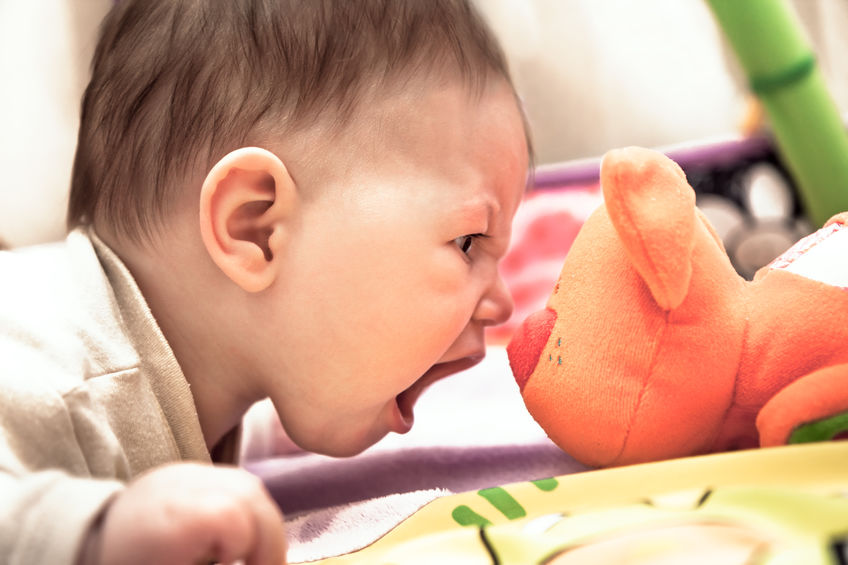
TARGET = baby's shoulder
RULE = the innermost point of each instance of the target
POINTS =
(34, 287)
(57, 312)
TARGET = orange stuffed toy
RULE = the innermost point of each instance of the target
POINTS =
(653, 347)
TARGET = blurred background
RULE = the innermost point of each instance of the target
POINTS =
(593, 74)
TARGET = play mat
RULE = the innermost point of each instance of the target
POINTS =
(778, 505)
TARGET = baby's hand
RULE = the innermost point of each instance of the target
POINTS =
(186, 514)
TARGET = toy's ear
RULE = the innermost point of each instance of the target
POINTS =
(653, 210)
(245, 203)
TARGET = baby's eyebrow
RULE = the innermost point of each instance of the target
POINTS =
(478, 209)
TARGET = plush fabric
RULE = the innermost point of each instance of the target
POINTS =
(660, 349)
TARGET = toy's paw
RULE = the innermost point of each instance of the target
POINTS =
(813, 408)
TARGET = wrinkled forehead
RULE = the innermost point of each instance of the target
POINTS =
(413, 119)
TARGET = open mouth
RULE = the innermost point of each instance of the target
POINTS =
(407, 399)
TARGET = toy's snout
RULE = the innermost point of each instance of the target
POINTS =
(525, 348)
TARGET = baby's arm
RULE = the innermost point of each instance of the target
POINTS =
(44, 514)
(188, 513)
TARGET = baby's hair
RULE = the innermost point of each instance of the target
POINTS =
(177, 84)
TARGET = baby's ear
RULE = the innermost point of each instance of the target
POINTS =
(652, 208)
(245, 201)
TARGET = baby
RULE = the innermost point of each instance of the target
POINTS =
(301, 201)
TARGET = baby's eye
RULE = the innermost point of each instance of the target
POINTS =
(466, 241)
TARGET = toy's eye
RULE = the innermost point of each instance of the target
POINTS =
(465, 242)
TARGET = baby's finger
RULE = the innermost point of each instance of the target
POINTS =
(270, 539)
(232, 534)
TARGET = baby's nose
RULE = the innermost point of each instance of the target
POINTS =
(527, 343)
(496, 306)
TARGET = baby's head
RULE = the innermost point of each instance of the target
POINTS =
(313, 196)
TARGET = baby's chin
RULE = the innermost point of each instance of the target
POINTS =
(344, 441)
(349, 450)
(352, 437)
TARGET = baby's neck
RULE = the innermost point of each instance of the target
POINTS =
(188, 299)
